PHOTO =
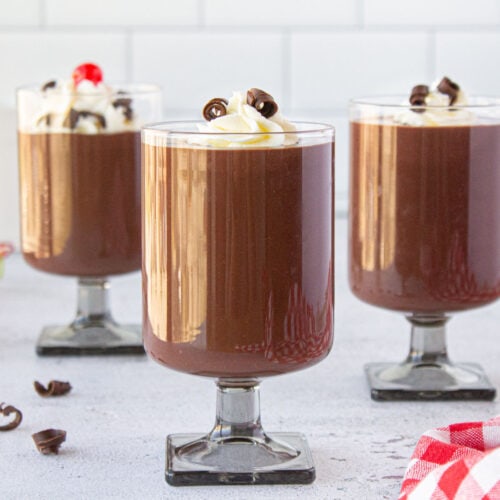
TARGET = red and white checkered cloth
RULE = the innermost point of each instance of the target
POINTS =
(461, 462)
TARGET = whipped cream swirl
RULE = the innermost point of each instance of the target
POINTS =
(88, 108)
(437, 110)
(244, 126)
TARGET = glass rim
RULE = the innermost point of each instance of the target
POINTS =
(165, 128)
(478, 102)
(115, 87)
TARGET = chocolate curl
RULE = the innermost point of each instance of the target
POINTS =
(45, 118)
(126, 104)
(49, 85)
(49, 440)
(450, 88)
(54, 388)
(263, 102)
(215, 108)
(6, 411)
(73, 116)
(418, 95)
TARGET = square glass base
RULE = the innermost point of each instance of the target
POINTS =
(193, 461)
(428, 381)
(102, 339)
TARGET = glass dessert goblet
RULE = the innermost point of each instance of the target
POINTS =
(424, 231)
(79, 162)
(237, 283)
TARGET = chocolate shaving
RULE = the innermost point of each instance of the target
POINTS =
(215, 108)
(263, 102)
(49, 85)
(73, 116)
(6, 411)
(49, 440)
(446, 86)
(54, 388)
(45, 118)
(418, 95)
(126, 104)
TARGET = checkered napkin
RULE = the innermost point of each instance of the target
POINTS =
(461, 462)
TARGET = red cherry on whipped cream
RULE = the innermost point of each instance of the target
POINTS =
(87, 71)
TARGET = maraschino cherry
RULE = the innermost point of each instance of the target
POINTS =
(87, 71)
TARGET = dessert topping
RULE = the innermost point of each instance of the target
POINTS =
(49, 440)
(418, 95)
(215, 108)
(263, 102)
(451, 89)
(49, 85)
(6, 411)
(441, 103)
(443, 94)
(245, 119)
(54, 388)
(87, 71)
(44, 120)
(126, 104)
(83, 104)
(73, 116)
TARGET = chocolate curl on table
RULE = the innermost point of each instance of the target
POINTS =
(263, 102)
(446, 86)
(49, 440)
(54, 388)
(418, 95)
(6, 411)
(215, 108)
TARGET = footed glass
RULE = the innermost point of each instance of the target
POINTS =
(237, 450)
(93, 331)
(79, 164)
(424, 232)
(237, 284)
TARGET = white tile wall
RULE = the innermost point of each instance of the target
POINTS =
(432, 12)
(42, 55)
(472, 58)
(327, 69)
(122, 13)
(20, 13)
(194, 67)
(281, 13)
(312, 55)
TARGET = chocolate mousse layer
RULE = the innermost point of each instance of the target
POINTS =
(425, 216)
(80, 202)
(238, 258)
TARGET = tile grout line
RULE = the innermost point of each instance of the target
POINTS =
(202, 14)
(42, 14)
(361, 14)
(248, 30)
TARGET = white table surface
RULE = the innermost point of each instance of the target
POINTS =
(121, 408)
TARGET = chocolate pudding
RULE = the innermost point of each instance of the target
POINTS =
(80, 202)
(238, 258)
(425, 215)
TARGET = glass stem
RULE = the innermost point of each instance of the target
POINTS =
(93, 302)
(238, 410)
(428, 339)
